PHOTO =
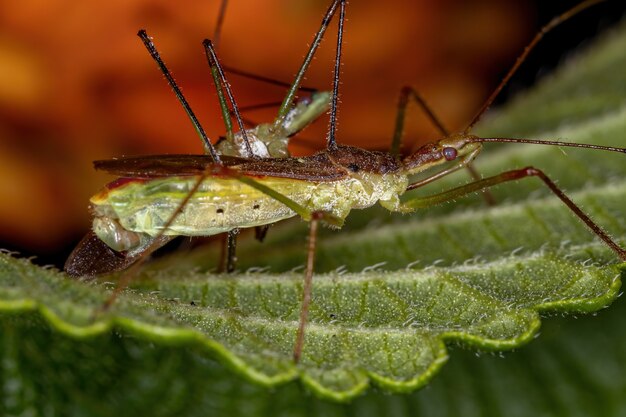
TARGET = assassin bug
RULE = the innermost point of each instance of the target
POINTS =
(163, 196)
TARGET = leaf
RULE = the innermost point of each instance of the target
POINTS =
(389, 327)
(151, 353)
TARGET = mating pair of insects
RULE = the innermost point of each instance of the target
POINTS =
(248, 179)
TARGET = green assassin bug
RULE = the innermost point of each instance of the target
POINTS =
(158, 197)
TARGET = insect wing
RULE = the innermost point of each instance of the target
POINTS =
(317, 167)
(153, 166)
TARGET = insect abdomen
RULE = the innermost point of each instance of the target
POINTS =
(221, 204)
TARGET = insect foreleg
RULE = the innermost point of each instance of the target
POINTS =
(427, 201)
(260, 232)
(463, 163)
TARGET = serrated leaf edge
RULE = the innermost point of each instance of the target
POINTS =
(182, 337)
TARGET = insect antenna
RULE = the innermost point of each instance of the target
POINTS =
(551, 143)
(332, 142)
(214, 63)
(179, 94)
(531, 45)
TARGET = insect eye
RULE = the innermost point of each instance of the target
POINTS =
(449, 153)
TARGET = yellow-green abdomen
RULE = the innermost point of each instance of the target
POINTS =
(221, 204)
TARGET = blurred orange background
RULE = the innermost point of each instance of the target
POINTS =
(76, 84)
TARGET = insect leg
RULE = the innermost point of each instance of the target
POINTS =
(215, 66)
(286, 104)
(260, 232)
(331, 141)
(252, 107)
(228, 257)
(313, 217)
(463, 163)
(221, 85)
(427, 201)
(280, 121)
(542, 32)
(306, 289)
(208, 146)
(267, 80)
(407, 93)
(226, 112)
(259, 106)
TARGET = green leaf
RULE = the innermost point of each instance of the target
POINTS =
(388, 327)
(482, 281)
